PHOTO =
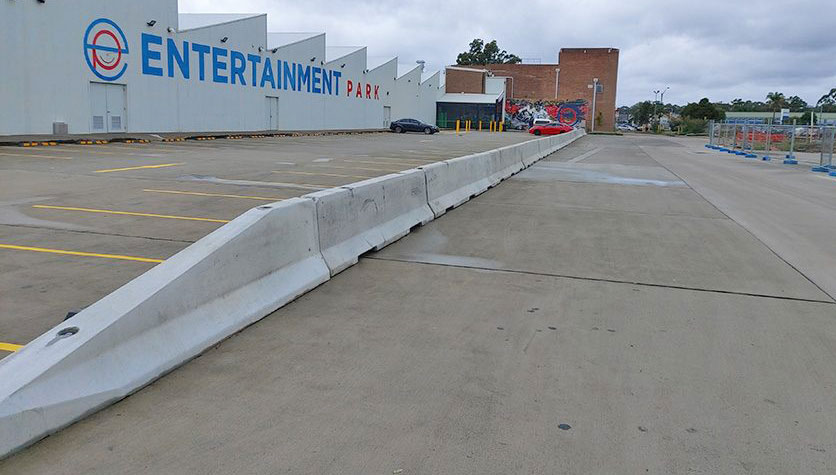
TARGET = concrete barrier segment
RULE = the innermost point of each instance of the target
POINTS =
(453, 182)
(231, 278)
(368, 215)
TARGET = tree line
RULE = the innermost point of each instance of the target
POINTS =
(642, 113)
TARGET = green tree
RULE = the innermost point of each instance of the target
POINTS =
(776, 101)
(641, 112)
(486, 53)
(704, 110)
(796, 103)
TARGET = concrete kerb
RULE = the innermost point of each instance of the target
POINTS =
(224, 282)
(368, 215)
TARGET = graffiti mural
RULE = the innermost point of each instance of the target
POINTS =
(522, 112)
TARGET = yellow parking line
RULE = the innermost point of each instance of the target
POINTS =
(361, 168)
(138, 168)
(30, 155)
(321, 174)
(99, 151)
(219, 195)
(78, 253)
(131, 213)
(11, 347)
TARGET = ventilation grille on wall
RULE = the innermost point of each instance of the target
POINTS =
(98, 122)
(116, 122)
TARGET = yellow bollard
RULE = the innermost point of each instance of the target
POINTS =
(480, 126)
(466, 126)
(458, 124)
(500, 126)
(490, 126)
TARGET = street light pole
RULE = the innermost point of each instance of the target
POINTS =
(594, 95)
(663, 99)
(655, 103)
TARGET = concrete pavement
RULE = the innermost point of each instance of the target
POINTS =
(631, 311)
(126, 206)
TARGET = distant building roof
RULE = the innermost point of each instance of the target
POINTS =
(467, 98)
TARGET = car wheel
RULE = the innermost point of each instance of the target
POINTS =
(398, 129)
(428, 131)
(536, 132)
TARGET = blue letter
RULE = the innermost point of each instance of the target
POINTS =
(182, 61)
(267, 74)
(217, 65)
(254, 59)
(303, 77)
(202, 51)
(317, 79)
(237, 71)
(148, 55)
(326, 82)
(289, 75)
(337, 75)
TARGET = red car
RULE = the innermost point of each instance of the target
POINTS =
(550, 129)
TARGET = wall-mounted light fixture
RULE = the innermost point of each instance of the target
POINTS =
(151, 22)
(260, 49)
(313, 59)
(170, 29)
(275, 50)
(224, 39)
(342, 65)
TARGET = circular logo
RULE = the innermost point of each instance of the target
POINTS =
(567, 115)
(105, 49)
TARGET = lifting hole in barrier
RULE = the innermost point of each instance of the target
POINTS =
(67, 332)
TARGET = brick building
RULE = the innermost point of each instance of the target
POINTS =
(568, 81)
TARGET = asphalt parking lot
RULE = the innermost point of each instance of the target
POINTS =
(79, 221)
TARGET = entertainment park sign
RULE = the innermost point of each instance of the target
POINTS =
(106, 50)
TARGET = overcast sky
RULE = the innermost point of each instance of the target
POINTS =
(707, 48)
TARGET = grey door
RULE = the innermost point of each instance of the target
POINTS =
(272, 113)
(108, 111)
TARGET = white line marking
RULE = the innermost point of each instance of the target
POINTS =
(585, 155)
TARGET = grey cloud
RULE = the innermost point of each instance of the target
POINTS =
(712, 48)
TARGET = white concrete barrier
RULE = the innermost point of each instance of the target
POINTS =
(229, 279)
(368, 215)
(530, 151)
(453, 182)
(506, 161)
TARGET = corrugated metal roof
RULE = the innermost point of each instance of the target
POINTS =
(190, 21)
(279, 39)
(373, 62)
(336, 52)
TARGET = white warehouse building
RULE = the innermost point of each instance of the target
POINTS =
(94, 66)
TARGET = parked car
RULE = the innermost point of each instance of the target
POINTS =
(626, 128)
(411, 125)
(552, 128)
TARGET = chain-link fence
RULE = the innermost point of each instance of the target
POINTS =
(791, 143)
